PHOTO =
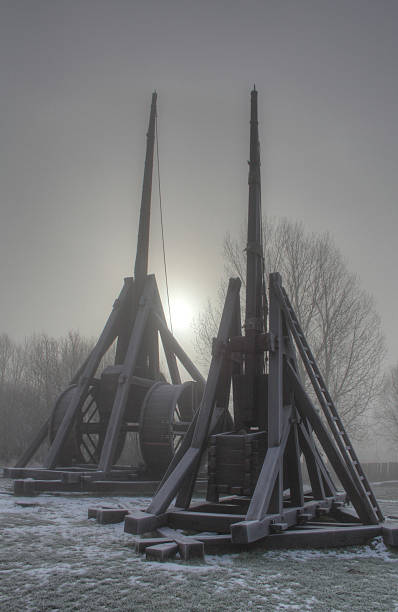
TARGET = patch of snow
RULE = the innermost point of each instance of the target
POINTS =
(178, 567)
(376, 550)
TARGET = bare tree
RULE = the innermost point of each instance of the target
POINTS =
(32, 375)
(338, 317)
(388, 411)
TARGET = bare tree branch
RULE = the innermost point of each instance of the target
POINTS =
(338, 317)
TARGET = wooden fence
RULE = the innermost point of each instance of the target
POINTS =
(377, 472)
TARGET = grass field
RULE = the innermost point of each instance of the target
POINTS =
(53, 558)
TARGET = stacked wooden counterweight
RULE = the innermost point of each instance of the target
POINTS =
(234, 463)
(255, 487)
(91, 421)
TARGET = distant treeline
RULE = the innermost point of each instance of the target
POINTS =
(32, 374)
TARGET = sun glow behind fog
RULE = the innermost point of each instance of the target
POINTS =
(182, 313)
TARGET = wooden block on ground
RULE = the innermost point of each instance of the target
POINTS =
(143, 543)
(25, 487)
(246, 532)
(356, 535)
(93, 510)
(191, 549)
(390, 535)
(217, 543)
(188, 546)
(138, 522)
(161, 552)
(111, 515)
(203, 521)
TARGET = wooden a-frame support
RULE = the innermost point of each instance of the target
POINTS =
(279, 501)
(149, 318)
(138, 323)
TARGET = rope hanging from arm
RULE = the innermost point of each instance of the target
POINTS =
(161, 223)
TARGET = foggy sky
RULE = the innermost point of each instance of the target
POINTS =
(76, 78)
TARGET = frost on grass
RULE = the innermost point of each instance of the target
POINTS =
(53, 558)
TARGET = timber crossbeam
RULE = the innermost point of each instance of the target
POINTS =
(313, 536)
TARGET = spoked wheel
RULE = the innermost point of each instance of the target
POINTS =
(84, 443)
(165, 417)
(89, 430)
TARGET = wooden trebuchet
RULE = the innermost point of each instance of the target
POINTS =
(93, 419)
(255, 489)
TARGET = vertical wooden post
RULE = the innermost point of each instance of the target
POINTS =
(275, 379)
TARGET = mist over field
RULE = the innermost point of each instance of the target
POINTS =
(93, 379)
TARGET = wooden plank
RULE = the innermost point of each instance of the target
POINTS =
(137, 522)
(313, 467)
(220, 508)
(171, 344)
(268, 475)
(111, 515)
(158, 314)
(217, 542)
(30, 486)
(184, 495)
(161, 552)
(34, 445)
(390, 535)
(25, 487)
(275, 377)
(142, 254)
(216, 366)
(249, 531)
(123, 388)
(306, 442)
(329, 537)
(202, 521)
(293, 467)
(188, 546)
(142, 543)
(93, 510)
(121, 487)
(246, 532)
(153, 348)
(167, 491)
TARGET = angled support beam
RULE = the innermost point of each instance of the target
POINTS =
(307, 410)
(160, 321)
(270, 471)
(313, 466)
(108, 335)
(132, 355)
(167, 492)
(34, 445)
(309, 449)
(185, 493)
(188, 464)
(293, 467)
(170, 343)
(275, 377)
